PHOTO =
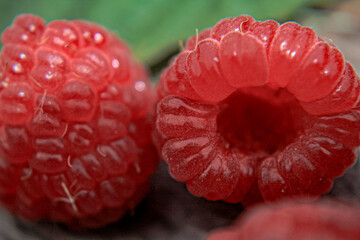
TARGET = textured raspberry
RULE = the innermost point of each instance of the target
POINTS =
(290, 220)
(76, 120)
(253, 111)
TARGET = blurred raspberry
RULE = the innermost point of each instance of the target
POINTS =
(326, 220)
(76, 118)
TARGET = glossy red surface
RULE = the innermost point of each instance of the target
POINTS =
(254, 111)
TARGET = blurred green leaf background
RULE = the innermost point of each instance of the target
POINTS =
(153, 28)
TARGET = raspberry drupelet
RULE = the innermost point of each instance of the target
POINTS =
(76, 120)
(252, 111)
(326, 220)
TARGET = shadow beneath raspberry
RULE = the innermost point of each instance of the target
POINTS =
(169, 211)
(348, 185)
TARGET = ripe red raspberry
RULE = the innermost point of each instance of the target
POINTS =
(75, 118)
(289, 220)
(253, 111)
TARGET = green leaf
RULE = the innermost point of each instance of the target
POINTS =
(151, 27)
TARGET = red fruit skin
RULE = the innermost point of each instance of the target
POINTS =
(244, 61)
(293, 220)
(344, 95)
(204, 70)
(255, 111)
(76, 117)
(289, 46)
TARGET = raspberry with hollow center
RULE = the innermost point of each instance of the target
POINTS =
(253, 111)
(291, 220)
(76, 120)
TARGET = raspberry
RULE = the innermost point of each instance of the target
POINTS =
(252, 111)
(76, 122)
(290, 220)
